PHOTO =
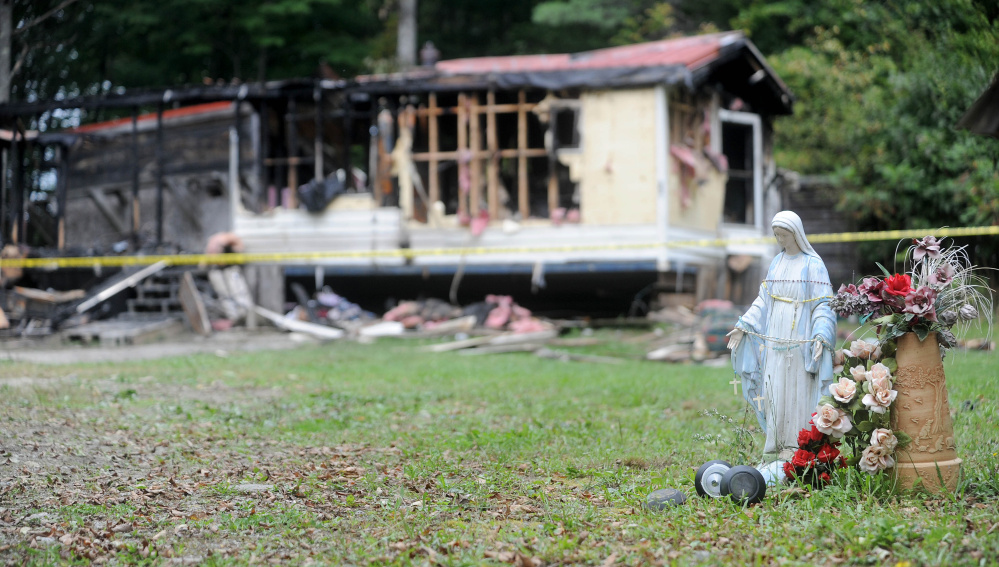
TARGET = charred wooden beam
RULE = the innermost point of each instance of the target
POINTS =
(433, 177)
(107, 209)
(17, 188)
(492, 166)
(159, 174)
(523, 200)
(474, 144)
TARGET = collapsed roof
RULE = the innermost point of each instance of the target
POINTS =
(727, 59)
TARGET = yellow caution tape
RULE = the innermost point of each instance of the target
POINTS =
(408, 253)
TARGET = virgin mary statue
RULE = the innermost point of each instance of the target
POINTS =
(782, 347)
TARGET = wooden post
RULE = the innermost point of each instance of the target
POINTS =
(348, 135)
(291, 123)
(383, 180)
(523, 200)
(433, 179)
(16, 187)
(462, 146)
(475, 143)
(61, 190)
(136, 219)
(492, 166)
(552, 163)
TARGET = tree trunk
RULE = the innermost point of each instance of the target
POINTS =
(6, 36)
(406, 38)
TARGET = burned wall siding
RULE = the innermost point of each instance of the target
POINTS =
(618, 177)
(191, 144)
(195, 207)
(697, 174)
(195, 154)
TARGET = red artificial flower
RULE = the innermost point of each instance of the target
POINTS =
(804, 437)
(827, 454)
(816, 434)
(789, 471)
(825, 478)
(842, 462)
(802, 458)
(898, 285)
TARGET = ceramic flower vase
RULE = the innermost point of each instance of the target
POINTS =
(921, 410)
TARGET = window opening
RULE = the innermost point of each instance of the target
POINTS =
(737, 145)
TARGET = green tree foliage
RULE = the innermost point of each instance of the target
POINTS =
(880, 86)
(601, 14)
(51, 51)
(609, 22)
(92, 46)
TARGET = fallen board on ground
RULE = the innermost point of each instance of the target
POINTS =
(124, 332)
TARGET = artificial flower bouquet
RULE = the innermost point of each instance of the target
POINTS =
(938, 291)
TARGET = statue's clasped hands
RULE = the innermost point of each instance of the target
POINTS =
(735, 337)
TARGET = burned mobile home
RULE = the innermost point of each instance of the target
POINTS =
(600, 158)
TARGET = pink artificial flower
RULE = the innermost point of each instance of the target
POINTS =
(928, 246)
(881, 396)
(863, 349)
(859, 373)
(875, 459)
(832, 421)
(879, 371)
(844, 390)
(839, 361)
(884, 438)
(847, 288)
(871, 287)
(943, 275)
(920, 303)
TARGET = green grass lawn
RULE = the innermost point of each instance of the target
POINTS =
(347, 453)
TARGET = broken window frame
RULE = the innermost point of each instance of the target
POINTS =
(480, 147)
(754, 205)
(576, 107)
